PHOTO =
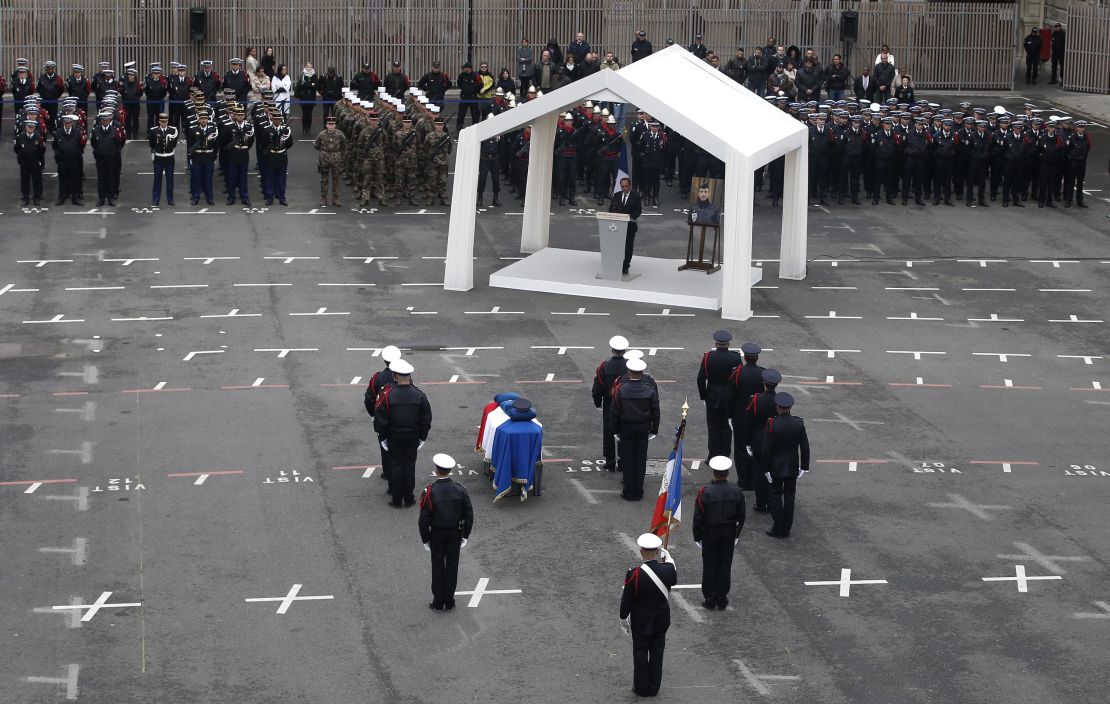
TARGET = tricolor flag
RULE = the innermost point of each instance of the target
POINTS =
(668, 505)
(622, 168)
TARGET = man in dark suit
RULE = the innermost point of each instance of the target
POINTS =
(627, 202)
(784, 456)
(646, 599)
(864, 86)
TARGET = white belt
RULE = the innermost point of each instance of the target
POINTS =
(167, 154)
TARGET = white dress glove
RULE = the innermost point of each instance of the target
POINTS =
(617, 438)
(428, 547)
(420, 445)
(748, 448)
(768, 475)
(698, 543)
(651, 437)
(463, 543)
(801, 472)
(385, 445)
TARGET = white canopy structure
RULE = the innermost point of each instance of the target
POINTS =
(685, 93)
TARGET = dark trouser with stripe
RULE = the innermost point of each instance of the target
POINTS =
(647, 661)
(402, 476)
(608, 443)
(782, 505)
(976, 179)
(444, 546)
(716, 568)
(633, 449)
(720, 434)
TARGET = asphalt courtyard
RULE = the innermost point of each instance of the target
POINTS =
(191, 509)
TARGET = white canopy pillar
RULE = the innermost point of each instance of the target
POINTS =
(795, 204)
(537, 198)
(459, 272)
(736, 234)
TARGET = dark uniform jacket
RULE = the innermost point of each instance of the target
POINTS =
(365, 84)
(107, 141)
(207, 83)
(377, 384)
(759, 410)
(716, 367)
(238, 82)
(445, 506)
(606, 375)
(403, 414)
(155, 88)
(29, 149)
(50, 87)
(745, 381)
(785, 447)
(648, 607)
(641, 48)
(396, 83)
(718, 511)
(79, 88)
(69, 146)
(635, 407)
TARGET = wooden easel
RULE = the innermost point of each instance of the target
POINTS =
(701, 263)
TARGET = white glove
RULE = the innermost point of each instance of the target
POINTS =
(651, 437)
(385, 445)
(800, 472)
(749, 450)
(420, 445)
(768, 475)
(730, 424)
(736, 542)
(428, 547)
(698, 543)
(463, 543)
(617, 438)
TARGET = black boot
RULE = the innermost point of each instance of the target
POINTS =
(479, 203)
(496, 203)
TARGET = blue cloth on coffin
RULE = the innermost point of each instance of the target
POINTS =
(517, 446)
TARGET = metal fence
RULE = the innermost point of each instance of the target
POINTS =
(1087, 52)
(942, 44)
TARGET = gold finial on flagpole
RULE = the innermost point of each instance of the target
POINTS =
(685, 407)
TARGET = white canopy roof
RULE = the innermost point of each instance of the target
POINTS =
(683, 92)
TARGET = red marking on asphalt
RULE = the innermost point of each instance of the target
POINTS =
(558, 459)
(336, 386)
(1000, 386)
(260, 386)
(553, 381)
(214, 473)
(925, 386)
(358, 466)
(856, 461)
(830, 383)
(457, 383)
(9, 395)
(1074, 388)
(150, 391)
(70, 393)
(38, 481)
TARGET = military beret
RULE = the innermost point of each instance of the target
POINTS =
(771, 376)
(722, 336)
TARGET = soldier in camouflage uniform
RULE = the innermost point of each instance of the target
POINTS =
(438, 148)
(332, 145)
(405, 166)
(423, 124)
(371, 149)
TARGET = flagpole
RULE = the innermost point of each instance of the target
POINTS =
(677, 439)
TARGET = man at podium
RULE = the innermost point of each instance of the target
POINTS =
(627, 202)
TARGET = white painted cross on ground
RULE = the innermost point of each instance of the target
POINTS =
(288, 599)
(1105, 613)
(95, 607)
(1028, 552)
(70, 680)
(759, 682)
(479, 591)
(977, 510)
(1021, 578)
(845, 582)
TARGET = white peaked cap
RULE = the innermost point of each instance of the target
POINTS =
(636, 365)
(391, 353)
(634, 354)
(443, 461)
(401, 367)
(649, 541)
(618, 342)
(720, 463)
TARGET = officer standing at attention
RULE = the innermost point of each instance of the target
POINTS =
(718, 520)
(759, 410)
(402, 417)
(746, 381)
(163, 146)
(332, 144)
(635, 421)
(646, 603)
(606, 375)
(378, 383)
(714, 390)
(784, 458)
(446, 519)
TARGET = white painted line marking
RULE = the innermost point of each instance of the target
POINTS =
(233, 313)
(845, 582)
(95, 288)
(181, 286)
(290, 260)
(159, 386)
(288, 599)
(853, 424)
(995, 319)
(258, 285)
(989, 289)
(129, 261)
(82, 498)
(911, 288)
(982, 262)
(1002, 356)
(469, 350)
(480, 591)
(32, 488)
(559, 350)
(368, 473)
(831, 354)
(209, 260)
(40, 263)
(1028, 552)
(319, 311)
(59, 318)
(652, 350)
(200, 479)
(1054, 262)
(202, 211)
(916, 353)
(1073, 318)
(367, 260)
(433, 283)
(13, 289)
(834, 288)
(1021, 578)
(194, 353)
(757, 682)
(70, 681)
(580, 311)
(78, 554)
(666, 313)
(141, 318)
(95, 607)
(356, 380)
(496, 310)
(586, 493)
(1064, 290)
(977, 510)
(85, 453)
(1095, 615)
(353, 284)
(283, 352)
(911, 316)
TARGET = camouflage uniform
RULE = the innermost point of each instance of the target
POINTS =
(372, 150)
(438, 149)
(332, 145)
(405, 180)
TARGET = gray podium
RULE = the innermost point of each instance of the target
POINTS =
(612, 229)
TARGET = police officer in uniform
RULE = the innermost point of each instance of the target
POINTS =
(378, 383)
(402, 417)
(107, 143)
(635, 421)
(645, 602)
(446, 519)
(604, 377)
(718, 520)
(745, 381)
(163, 144)
(784, 459)
(713, 389)
(760, 409)
(30, 150)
